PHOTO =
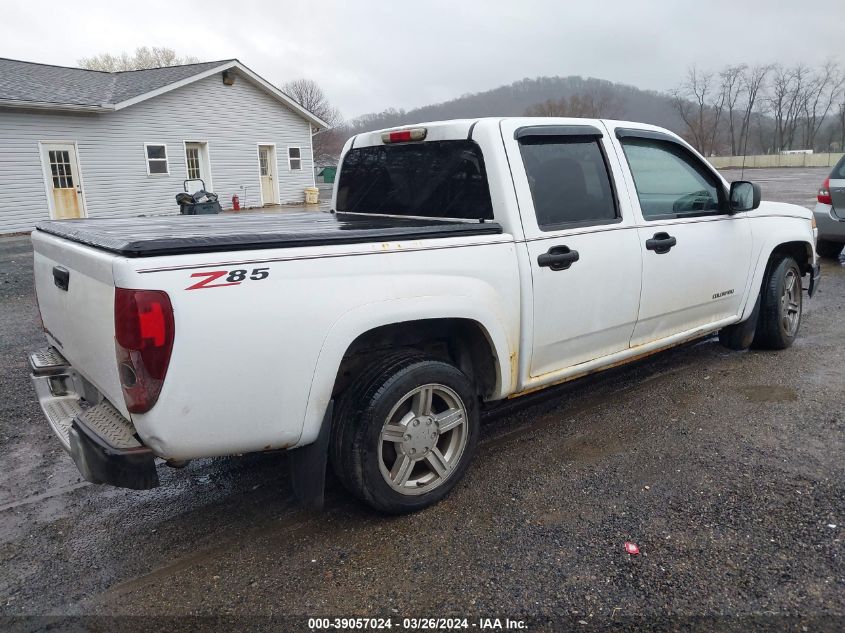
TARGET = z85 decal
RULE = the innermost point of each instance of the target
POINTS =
(225, 278)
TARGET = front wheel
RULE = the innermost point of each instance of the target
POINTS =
(780, 306)
(405, 432)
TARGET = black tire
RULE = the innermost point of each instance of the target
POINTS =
(362, 412)
(829, 250)
(740, 336)
(772, 333)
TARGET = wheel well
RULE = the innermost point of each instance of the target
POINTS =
(802, 252)
(463, 342)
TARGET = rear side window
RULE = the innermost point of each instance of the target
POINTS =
(838, 172)
(569, 181)
(671, 182)
(442, 179)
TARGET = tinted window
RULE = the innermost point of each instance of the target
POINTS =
(443, 179)
(568, 179)
(670, 181)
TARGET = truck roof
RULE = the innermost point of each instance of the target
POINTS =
(177, 235)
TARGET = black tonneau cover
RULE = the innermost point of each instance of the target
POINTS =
(177, 235)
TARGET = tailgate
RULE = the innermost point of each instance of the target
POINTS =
(79, 318)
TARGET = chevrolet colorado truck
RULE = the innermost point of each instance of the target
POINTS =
(462, 262)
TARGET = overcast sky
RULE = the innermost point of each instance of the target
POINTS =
(370, 55)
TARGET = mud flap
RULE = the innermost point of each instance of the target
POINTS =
(748, 329)
(815, 276)
(308, 466)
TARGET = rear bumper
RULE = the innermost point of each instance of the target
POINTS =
(102, 443)
(830, 227)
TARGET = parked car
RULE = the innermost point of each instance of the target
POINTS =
(464, 262)
(830, 212)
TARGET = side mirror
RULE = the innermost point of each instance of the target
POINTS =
(745, 196)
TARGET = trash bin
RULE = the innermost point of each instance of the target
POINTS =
(312, 195)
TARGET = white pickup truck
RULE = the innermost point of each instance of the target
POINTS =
(462, 262)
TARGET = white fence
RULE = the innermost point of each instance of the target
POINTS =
(776, 160)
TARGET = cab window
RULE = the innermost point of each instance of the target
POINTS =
(569, 181)
(670, 181)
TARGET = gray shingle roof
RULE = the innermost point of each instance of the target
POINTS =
(41, 83)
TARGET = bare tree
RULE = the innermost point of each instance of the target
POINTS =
(753, 81)
(786, 103)
(328, 142)
(732, 88)
(692, 101)
(143, 58)
(591, 105)
(820, 93)
(309, 94)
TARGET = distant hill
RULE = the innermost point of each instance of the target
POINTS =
(627, 102)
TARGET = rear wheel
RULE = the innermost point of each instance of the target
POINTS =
(780, 306)
(830, 250)
(405, 432)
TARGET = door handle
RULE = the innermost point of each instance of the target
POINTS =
(558, 258)
(61, 277)
(661, 243)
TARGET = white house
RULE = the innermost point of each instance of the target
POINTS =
(82, 143)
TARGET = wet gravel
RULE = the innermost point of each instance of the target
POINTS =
(725, 468)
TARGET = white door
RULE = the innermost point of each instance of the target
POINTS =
(198, 166)
(581, 242)
(696, 256)
(267, 173)
(64, 183)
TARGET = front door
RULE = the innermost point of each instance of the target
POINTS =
(581, 243)
(267, 169)
(696, 257)
(65, 185)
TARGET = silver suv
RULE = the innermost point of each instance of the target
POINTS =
(830, 213)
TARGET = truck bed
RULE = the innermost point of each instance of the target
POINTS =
(176, 235)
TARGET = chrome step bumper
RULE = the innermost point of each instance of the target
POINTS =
(103, 443)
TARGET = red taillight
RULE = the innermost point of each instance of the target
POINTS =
(824, 193)
(144, 329)
(404, 136)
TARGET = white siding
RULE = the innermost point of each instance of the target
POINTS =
(232, 119)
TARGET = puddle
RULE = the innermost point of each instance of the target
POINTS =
(769, 393)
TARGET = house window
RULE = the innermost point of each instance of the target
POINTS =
(156, 154)
(264, 161)
(192, 154)
(294, 158)
(60, 169)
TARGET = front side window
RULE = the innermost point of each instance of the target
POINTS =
(156, 155)
(839, 170)
(294, 158)
(441, 179)
(569, 181)
(671, 183)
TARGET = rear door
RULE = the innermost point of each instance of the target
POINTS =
(64, 183)
(580, 239)
(696, 257)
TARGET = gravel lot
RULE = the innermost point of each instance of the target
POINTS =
(726, 468)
